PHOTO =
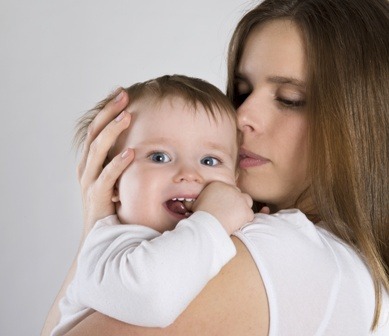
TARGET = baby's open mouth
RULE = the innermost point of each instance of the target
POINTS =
(181, 206)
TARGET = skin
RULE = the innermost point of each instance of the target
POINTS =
(174, 158)
(234, 302)
(272, 115)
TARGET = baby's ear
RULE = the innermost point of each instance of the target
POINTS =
(115, 197)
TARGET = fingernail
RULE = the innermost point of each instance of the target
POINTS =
(119, 96)
(125, 154)
(120, 116)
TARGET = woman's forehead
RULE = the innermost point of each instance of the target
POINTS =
(276, 49)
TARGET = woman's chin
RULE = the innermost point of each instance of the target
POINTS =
(259, 192)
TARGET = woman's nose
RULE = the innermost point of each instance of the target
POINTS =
(188, 173)
(245, 118)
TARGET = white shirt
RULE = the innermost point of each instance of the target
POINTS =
(134, 274)
(315, 283)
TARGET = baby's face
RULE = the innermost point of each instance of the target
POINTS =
(178, 151)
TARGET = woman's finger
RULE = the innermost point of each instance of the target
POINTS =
(107, 113)
(98, 150)
(110, 111)
(265, 210)
(114, 169)
(97, 198)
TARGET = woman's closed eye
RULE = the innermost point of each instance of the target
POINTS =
(290, 103)
(210, 161)
(159, 157)
(242, 89)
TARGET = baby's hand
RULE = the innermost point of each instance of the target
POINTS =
(227, 203)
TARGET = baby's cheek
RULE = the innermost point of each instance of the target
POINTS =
(229, 177)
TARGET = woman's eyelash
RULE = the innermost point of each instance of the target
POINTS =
(290, 103)
(287, 103)
(240, 98)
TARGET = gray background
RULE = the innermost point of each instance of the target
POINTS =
(57, 59)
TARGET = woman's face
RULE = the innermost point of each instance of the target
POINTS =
(270, 85)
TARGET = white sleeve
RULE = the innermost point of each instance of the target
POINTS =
(136, 275)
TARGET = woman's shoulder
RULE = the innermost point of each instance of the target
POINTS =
(292, 230)
(308, 271)
(282, 223)
(289, 239)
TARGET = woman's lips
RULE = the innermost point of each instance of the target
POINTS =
(248, 159)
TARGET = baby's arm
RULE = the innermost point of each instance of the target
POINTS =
(134, 274)
(227, 203)
(149, 283)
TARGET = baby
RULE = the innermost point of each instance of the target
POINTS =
(147, 271)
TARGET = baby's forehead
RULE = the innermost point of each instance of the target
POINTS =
(160, 117)
(169, 102)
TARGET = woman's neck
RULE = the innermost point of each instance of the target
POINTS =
(304, 203)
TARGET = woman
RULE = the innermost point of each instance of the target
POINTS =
(309, 79)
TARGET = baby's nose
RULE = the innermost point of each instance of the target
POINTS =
(188, 174)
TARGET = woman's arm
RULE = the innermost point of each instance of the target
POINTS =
(54, 314)
(96, 183)
(233, 303)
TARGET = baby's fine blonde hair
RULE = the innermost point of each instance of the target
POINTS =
(194, 91)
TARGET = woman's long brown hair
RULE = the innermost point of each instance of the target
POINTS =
(347, 51)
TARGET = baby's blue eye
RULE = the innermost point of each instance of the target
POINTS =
(210, 161)
(159, 157)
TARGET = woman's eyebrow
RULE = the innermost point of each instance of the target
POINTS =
(239, 77)
(286, 80)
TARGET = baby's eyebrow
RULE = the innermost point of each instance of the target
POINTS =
(213, 145)
(157, 141)
(208, 145)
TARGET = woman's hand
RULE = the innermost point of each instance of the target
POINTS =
(97, 183)
(227, 203)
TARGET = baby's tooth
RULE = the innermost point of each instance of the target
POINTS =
(189, 199)
(174, 199)
(181, 199)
